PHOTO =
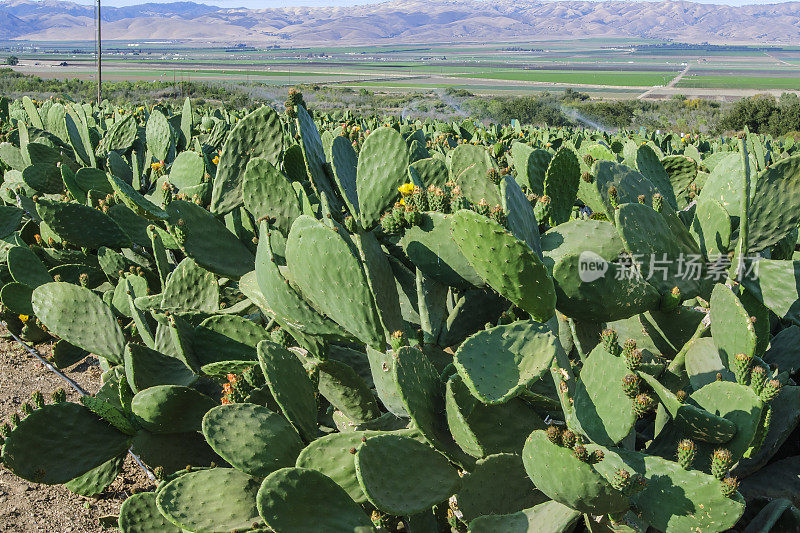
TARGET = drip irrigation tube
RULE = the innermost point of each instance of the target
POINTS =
(80, 390)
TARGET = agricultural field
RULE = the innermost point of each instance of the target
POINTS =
(619, 68)
(296, 319)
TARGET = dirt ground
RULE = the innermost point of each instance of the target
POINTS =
(26, 506)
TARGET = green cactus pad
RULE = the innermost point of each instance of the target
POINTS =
(160, 137)
(693, 420)
(290, 386)
(469, 165)
(775, 207)
(139, 514)
(657, 250)
(428, 171)
(338, 286)
(135, 201)
(731, 328)
(561, 184)
(171, 408)
(16, 297)
(81, 225)
(314, 155)
(521, 217)
(251, 438)
(776, 286)
(227, 338)
(402, 476)
(381, 280)
(60, 442)
(673, 499)
(146, 368)
(648, 163)
(603, 409)
(481, 430)
(711, 228)
(268, 193)
(65, 354)
(80, 317)
(547, 517)
(382, 165)
(561, 476)
(259, 134)
(43, 178)
(173, 451)
(333, 456)
(498, 363)
(346, 391)
(215, 500)
(206, 240)
(431, 249)
(736, 403)
(703, 363)
(344, 162)
(498, 485)
(381, 364)
(726, 182)
(505, 263)
(97, 479)
(530, 166)
(301, 500)
(282, 299)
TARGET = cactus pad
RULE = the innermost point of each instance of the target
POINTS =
(300, 500)
(251, 438)
(402, 476)
(498, 363)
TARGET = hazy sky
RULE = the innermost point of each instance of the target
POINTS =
(256, 4)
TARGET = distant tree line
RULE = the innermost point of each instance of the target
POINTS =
(764, 114)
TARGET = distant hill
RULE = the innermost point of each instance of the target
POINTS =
(408, 21)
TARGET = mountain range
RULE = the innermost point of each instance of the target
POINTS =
(407, 21)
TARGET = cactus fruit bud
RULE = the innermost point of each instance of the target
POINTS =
(758, 378)
(721, 462)
(741, 368)
(553, 434)
(542, 208)
(771, 389)
(159, 472)
(589, 160)
(27, 408)
(494, 176)
(390, 225)
(634, 360)
(681, 396)
(38, 399)
(457, 200)
(630, 385)
(5, 430)
(482, 208)
(581, 453)
(568, 438)
(499, 215)
(596, 456)
(642, 404)
(729, 486)
(412, 217)
(398, 340)
(587, 177)
(15, 420)
(610, 341)
(613, 197)
(658, 202)
(60, 396)
(671, 301)
(642, 198)
(686, 453)
(628, 346)
(621, 479)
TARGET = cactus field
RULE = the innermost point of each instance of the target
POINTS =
(332, 322)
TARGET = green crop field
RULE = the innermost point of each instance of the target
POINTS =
(578, 77)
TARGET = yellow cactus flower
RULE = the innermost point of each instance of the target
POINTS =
(24, 318)
(406, 189)
(402, 201)
(215, 160)
(157, 166)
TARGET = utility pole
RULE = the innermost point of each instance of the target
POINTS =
(99, 59)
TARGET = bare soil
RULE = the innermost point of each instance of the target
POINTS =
(26, 506)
